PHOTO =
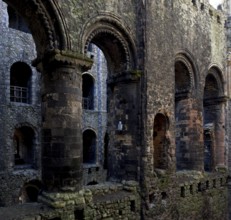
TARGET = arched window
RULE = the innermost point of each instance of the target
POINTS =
(16, 21)
(89, 146)
(88, 92)
(20, 79)
(160, 142)
(23, 141)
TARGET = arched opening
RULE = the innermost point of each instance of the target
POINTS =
(30, 191)
(213, 116)
(23, 141)
(182, 110)
(94, 87)
(20, 80)
(88, 92)
(160, 143)
(122, 94)
(89, 147)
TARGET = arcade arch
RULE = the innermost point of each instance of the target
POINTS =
(214, 122)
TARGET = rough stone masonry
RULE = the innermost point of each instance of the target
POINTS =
(114, 110)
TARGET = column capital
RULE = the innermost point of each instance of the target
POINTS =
(57, 57)
(125, 77)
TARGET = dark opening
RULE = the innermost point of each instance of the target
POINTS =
(32, 192)
(182, 191)
(151, 198)
(214, 183)
(79, 214)
(164, 195)
(202, 6)
(160, 142)
(88, 92)
(199, 187)
(92, 183)
(23, 140)
(133, 206)
(20, 80)
(89, 146)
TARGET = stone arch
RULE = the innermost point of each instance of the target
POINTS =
(214, 119)
(185, 57)
(111, 35)
(160, 141)
(214, 75)
(186, 112)
(30, 191)
(46, 23)
(24, 143)
(108, 33)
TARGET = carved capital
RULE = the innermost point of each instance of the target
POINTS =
(57, 58)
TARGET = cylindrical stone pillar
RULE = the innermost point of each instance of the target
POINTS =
(61, 126)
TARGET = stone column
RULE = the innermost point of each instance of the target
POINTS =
(123, 120)
(62, 120)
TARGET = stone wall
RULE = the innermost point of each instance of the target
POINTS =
(12, 185)
(167, 32)
(16, 114)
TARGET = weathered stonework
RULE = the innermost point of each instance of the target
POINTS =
(165, 113)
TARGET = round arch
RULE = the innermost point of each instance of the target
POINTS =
(214, 119)
(187, 59)
(216, 73)
(30, 191)
(110, 34)
(46, 23)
